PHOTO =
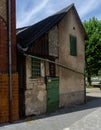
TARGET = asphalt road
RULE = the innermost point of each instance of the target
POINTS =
(80, 117)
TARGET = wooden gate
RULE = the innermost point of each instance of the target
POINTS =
(52, 93)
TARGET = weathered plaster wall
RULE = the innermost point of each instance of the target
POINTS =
(35, 94)
(53, 42)
(71, 83)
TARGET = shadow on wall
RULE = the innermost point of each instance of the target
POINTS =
(92, 102)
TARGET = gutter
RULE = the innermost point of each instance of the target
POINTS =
(56, 63)
(10, 60)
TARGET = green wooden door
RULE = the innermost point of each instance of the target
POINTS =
(52, 93)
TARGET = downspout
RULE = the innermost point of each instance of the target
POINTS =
(85, 98)
(62, 66)
(10, 60)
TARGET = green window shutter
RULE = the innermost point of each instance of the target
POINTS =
(73, 45)
(35, 68)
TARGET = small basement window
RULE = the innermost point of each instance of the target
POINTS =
(73, 45)
(35, 68)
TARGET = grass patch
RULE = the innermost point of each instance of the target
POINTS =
(89, 86)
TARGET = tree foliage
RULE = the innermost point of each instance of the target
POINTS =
(93, 47)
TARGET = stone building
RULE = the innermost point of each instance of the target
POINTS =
(51, 58)
(8, 65)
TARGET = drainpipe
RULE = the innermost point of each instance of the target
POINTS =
(10, 61)
(85, 98)
(56, 63)
(63, 66)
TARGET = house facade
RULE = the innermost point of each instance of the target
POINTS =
(51, 58)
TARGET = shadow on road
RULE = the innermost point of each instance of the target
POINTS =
(92, 102)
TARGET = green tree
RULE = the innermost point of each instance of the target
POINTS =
(93, 47)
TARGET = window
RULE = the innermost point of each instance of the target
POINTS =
(73, 45)
(52, 69)
(35, 68)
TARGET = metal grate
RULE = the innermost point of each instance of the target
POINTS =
(35, 68)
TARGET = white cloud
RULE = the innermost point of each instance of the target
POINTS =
(87, 7)
(27, 16)
(37, 10)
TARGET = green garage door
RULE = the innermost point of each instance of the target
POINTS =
(52, 93)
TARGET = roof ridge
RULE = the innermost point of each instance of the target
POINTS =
(29, 35)
(58, 12)
(65, 8)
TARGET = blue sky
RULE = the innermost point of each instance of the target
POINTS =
(29, 12)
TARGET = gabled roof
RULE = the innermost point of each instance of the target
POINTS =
(26, 37)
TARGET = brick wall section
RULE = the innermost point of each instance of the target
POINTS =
(13, 28)
(4, 98)
(15, 102)
(3, 47)
(4, 79)
(4, 107)
(4, 37)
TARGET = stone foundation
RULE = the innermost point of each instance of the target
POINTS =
(35, 97)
